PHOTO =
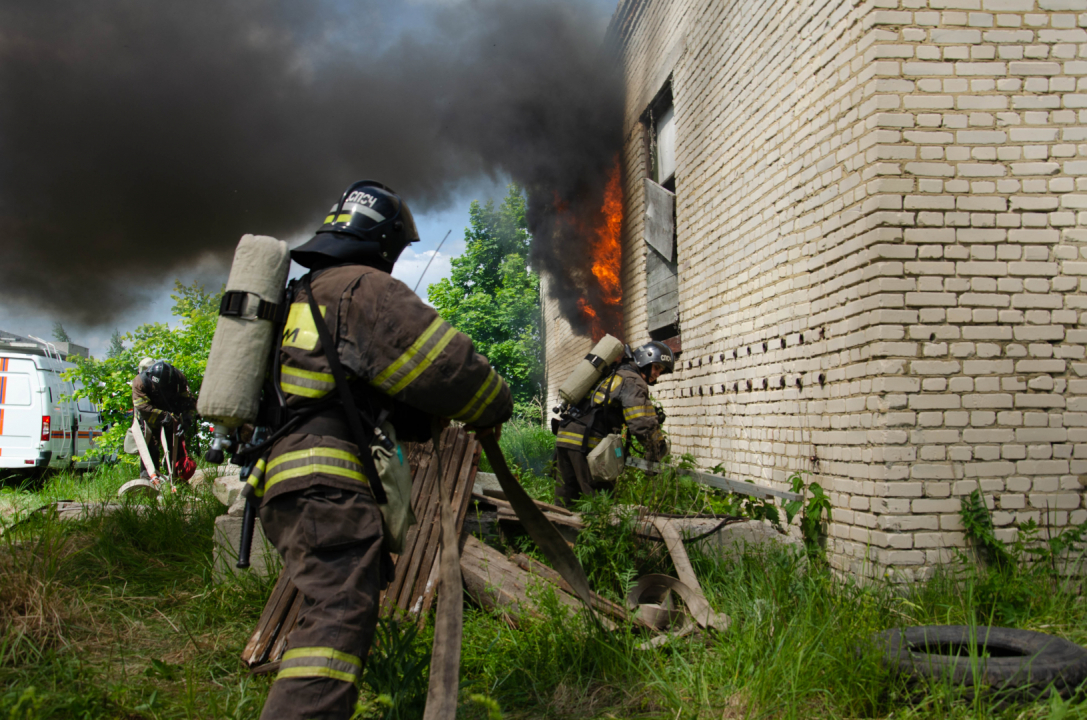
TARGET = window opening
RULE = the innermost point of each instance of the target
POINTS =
(661, 263)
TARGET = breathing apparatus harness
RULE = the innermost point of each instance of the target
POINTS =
(277, 420)
(586, 410)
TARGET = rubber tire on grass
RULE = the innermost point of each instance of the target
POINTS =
(1021, 664)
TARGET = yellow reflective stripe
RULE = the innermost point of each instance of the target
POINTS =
(343, 217)
(566, 435)
(310, 470)
(487, 402)
(315, 671)
(426, 362)
(330, 218)
(493, 383)
(633, 413)
(317, 452)
(302, 391)
(307, 374)
(324, 652)
(410, 353)
(386, 380)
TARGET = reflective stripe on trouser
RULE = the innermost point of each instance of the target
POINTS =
(331, 543)
(319, 662)
(572, 440)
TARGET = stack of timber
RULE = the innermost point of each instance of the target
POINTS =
(511, 586)
(413, 586)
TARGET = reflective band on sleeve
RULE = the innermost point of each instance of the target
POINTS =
(574, 440)
(416, 359)
(315, 460)
(481, 400)
(319, 662)
(256, 477)
(602, 391)
(305, 383)
(638, 411)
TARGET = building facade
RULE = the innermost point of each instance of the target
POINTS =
(877, 271)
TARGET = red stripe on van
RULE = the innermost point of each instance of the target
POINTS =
(4, 364)
(3, 384)
(1, 422)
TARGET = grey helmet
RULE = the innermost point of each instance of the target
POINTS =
(370, 224)
(654, 352)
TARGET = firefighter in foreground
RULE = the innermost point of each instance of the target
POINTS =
(161, 398)
(622, 397)
(406, 367)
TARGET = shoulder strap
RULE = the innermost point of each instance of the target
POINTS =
(354, 417)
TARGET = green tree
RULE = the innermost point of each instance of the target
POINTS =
(116, 344)
(59, 334)
(185, 346)
(494, 297)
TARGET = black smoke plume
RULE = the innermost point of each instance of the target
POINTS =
(138, 138)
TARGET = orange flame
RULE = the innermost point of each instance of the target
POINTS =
(607, 254)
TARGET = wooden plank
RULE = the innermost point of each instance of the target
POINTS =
(495, 582)
(271, 621)
(463, 495)
(736, 486)
(600, 604)
(430, 552)
(419, 499)
(428, 533)
(658, 271)
(285, 630)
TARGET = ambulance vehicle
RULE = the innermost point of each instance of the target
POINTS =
(41, 426)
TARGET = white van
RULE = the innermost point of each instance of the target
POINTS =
(39, 429)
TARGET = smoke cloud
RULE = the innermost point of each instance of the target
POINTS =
(140, 138)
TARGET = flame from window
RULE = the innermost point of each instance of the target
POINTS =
(603, 309)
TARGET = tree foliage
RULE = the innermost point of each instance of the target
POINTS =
(59, 333)
(494, 297)
(185, 346)
(116, 344)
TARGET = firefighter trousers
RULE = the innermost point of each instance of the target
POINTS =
(575, 479)
(331, 543)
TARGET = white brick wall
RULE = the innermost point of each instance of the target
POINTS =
(882, 240)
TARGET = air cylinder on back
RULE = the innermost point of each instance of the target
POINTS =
(230, 394)
(591, 369)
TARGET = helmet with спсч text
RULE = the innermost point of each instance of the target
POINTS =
(370, 224)
(654, 352)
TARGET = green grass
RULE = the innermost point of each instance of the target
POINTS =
(116, 616)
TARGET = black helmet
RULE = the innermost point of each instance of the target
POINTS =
(654, 352)
(166, 385)
(370, 224)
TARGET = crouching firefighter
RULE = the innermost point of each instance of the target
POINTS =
(163, 402)
(362, 364)
(620, 398)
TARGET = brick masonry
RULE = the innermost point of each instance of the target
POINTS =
(882, 241)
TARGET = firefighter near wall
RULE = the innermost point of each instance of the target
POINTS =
(361, 365)
(589, 449)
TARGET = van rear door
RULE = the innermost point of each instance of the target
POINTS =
(20, 413)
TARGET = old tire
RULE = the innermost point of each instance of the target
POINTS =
(1014, 663)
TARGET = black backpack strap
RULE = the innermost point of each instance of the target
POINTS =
(354, 417)
(601, 409)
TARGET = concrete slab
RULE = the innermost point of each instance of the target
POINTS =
(264, 560)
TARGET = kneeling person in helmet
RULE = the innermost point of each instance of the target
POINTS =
(621, 398)
(405, 366)
(161, 398)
